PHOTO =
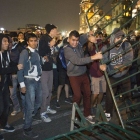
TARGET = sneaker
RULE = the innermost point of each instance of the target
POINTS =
(51, 111)
(57, 105)
(93, 111)
(108, 116)
(68, 100)
(15, 112)
(1, 137)
(29, 133)
(90, 119)
(45, 118)
(8, 128)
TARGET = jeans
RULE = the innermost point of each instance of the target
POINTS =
(33, 99)
(4, 105)
(13, 94)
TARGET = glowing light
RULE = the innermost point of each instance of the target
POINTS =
(2, 29)
(63, 33)
(95, 29)
(107, 17)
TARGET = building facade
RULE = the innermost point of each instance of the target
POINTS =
(122, 18)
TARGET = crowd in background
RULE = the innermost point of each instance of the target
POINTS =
(39, 65)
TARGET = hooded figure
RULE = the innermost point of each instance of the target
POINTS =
(116, 33)
(122, 59)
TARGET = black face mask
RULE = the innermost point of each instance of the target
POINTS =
(118, 45)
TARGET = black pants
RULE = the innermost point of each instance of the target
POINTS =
(123, 86)
(138, 79)
(55, 79)
(4, 105)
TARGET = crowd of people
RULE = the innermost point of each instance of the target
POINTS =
(40, 65)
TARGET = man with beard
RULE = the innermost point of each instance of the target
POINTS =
(121, 73)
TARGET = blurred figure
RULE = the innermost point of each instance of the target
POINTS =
(15, 51)
(63, 78)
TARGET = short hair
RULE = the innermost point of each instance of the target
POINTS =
(30, 35)
(20, 33)
(49, 27)
(74, 33)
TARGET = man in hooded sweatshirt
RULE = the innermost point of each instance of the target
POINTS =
(76, 69)
(122, 59)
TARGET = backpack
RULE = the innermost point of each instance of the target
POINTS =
(62, 57)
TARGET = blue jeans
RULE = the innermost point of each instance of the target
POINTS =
(13, 94)
(33, 99)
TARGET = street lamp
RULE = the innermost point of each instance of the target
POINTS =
(2, 29)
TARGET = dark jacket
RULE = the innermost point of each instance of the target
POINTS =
(95, 65)
(5, 72)
(15, 52)
(44, 50)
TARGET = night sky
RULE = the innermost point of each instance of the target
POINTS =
(17, 13)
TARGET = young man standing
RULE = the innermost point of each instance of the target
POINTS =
(46, 50)
(29, 79)
(76, 69)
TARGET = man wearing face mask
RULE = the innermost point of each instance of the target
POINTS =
(121, 60)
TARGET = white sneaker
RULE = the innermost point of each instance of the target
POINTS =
(90, 119)
(45, 118)
(51, 111)
(15, 112)
(108, 116)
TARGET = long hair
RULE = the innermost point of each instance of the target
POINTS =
(1, 37)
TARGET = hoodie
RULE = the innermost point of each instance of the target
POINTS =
(75, 58)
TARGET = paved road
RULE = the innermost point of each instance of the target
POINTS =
(59, 125)
(60, 122)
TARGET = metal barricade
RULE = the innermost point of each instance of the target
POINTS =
(129, 128)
